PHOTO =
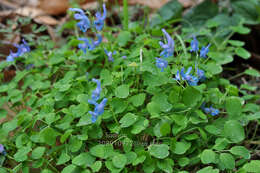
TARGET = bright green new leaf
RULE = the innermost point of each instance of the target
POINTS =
(159, 151)
(128, 120)
(122, 91)
(208, 156)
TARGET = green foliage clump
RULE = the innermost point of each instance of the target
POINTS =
(151, 122)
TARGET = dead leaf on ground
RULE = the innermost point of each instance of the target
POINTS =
(53, 7)
(37, 14)
(155, 4)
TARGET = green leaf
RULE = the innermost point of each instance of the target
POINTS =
(183, 161)
(171, 10)
(137, 100)
(234, 107)
(69, 169)
(128, 120)
(236, 43)
(243, 53)
(21, 154)
(208, 156)
(234, 131)
(140, 125)
(119, 161)
(123, 38)
(127, 145)
(38, 152)
(49, 135)
(153, 109)
(252, 166)
(162, 101)
(165, 128)
(213, 68)
(240, 151)
(227, 161)
(252, 72)
(255, 116)
(240, 29)
(198, 15)
(96, 166)
(98, 151)
(165, 165)
(65, 136)
(106, 77)
(131, 157)
(139, 160)
(118, 105)
(122, 91)
(220, 144)
(64, 157)
(159, 151)
(74, 144)
(208, 169)
(181, 147)
(246, 10)
(83, 159)
(191, 96)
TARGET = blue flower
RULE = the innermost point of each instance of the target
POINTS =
(204, 51)
(96, 93)
(169, 47)
(99, 22)
(21, 49)
(2, 150)
(192, 80)
(177, 76)
(110, 55)
(201, 74)
(84, 22)
(194, 45)
(209, 110)
(11, 56)
(99, 109)
(161, 63)
(124, 57)
(89, 45)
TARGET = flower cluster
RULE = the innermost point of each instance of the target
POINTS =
(191, 80)
(89, 45)
(21, 49)
(195, 48)
(110, 55)
(210, 110)
(99, 22)
(84, 24)
(168, 49)
(99, 108)
(161, 63)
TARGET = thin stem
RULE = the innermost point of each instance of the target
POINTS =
(237, 75)
(118, 139)
(125, 8)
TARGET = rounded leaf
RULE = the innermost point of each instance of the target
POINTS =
(119, 160)
(208, 156)
(159, 151)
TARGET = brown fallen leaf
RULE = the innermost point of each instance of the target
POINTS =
(38, 15)
(47, 20)
(154, 4)
(53, 7)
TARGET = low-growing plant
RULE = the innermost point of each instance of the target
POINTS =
(147, 100)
